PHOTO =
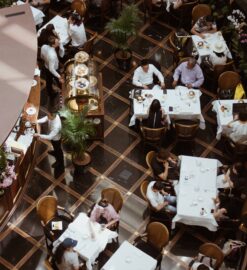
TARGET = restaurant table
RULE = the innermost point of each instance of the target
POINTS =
(61, 27)
(208, 44)
(87, 248)
(38, 15)
(183, 106)
(223, 110)
(128, 257)
(196, 187)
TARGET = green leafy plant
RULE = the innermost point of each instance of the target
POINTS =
(3, 161)
(124, 27)
(76, 130)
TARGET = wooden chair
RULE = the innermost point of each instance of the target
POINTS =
(48, 211)
(213, 251)
(228, 80)
(199, 11)
(236, 150)
(79, 6)
(150, 155)
(186, 129)
(88, 45)
(152, 136)
(153, 241)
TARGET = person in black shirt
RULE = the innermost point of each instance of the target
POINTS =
(161, 163)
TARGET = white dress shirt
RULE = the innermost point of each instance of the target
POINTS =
(49, 55)
(54, 127)
(78, 34)
(215, 60)
(141, 77)
(239, 132)
(155, 198)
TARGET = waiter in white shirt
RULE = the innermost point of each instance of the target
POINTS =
(49, 55)
(54, 136)
(143, 75)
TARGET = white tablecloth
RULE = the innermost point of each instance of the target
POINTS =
(196, 188)
(184, 107)
(88, 248)
(38, 15)
(128, 257)
(209, 41)
(223, 117)
(61, 27)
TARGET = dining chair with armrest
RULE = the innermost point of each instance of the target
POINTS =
(115, 198)
(152, 136)
(199, 11)
(153, 241)
(49, 211)
(236, 150)
(213, 251)
(186, 129)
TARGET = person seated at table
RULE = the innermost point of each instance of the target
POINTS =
(219, 55)
(104, 213)
(76, 31)
(239, 129)
(159, 199)
(143, 75)
(65, 257)
(163, 165)
(156, 116)
(235, 176)
(205, 24)
(189, 73)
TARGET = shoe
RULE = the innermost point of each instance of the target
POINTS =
(51, 152)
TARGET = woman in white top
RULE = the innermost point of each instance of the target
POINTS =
(219, 55)
(77, 30)
(239, 129)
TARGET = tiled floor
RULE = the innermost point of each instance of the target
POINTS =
(119, 161)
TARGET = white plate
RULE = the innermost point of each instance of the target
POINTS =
(81, 70)
(82, 84)
(34, 83)
(96, 121)
(31, 111)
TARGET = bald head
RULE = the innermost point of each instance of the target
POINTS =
(191, 63)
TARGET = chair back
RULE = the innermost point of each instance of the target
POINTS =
(157, 235)
(114, 197)
(47, 208)
(199, 11)
(240, 149)
(79, 6)
(219, 69)
(143, 188)
(186, 128)
(213, 251)
(228, 80)
(153, 134)
(88, 45)
(149, 157)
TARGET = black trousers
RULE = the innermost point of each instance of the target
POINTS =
(49, 81)
(58, 152)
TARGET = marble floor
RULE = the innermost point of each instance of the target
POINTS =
(119, 161)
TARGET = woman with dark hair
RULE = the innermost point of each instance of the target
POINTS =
(239, 129)
(156, 117)
(47, 32)
(104, 213)
(77, 30)
(65, 257)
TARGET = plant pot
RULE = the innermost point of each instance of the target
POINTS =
(82, 161)
(123, 61)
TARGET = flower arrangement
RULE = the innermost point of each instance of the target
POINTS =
(7, 173)
(237, 19)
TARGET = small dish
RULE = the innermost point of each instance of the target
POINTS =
(81, 70)
(200, 44)
(82, 84)
(31, 111)
(191, 94)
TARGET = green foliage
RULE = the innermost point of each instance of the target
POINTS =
(3, 160)
(124, 26)
(5, 3)
(76, 130)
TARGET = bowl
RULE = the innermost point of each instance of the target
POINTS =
(191, 94)
(200, 44)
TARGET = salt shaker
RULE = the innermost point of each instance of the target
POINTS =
(202, 212)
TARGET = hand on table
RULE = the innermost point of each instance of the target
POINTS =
(162, 85)
(145, 86)
(189, 85)
(174, 84)
(202, 36)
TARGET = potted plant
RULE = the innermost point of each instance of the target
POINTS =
(121, 29)
(76, 130)
(7, 173)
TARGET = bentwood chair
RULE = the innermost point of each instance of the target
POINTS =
(115, 198)
(152, 136)
(79, 6)
(213, 251)
(228, 80)
(49, 211)
(237, 151)
(153, 241)
(149, 157)
(199, 11)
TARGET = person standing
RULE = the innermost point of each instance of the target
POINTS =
(49, 55)
(54, 136)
